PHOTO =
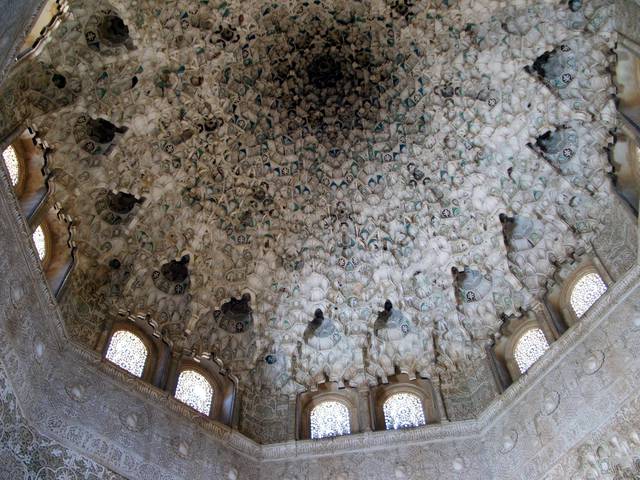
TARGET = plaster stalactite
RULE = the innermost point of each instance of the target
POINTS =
(326, 156)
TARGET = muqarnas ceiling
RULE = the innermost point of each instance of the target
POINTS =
(261, 178)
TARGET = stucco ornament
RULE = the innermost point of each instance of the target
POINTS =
(509, 441)
(533, 247)
(322, 155)
(550, 402)
(398, 343)
(105, 31)
(614, 456)
(329, 353)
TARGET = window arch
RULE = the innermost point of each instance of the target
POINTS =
(27, 160)
(330, 410)
(40, 242)
(195, 390)
(13, 165)
(403, 410)
(330, 419)
(529, 348)
(585, 292)
(50, 15)
(128, 351)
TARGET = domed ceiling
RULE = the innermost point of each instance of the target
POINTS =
(235, 166)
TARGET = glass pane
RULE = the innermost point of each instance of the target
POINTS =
(403, 410)
(11, 161)
(585, 293)
(38, 239)
(194, 390)
(127, 351)
(530, 348)
(330, 419)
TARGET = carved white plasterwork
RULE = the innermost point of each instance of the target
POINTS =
(590, 372)
(449, 443)
(26, 453)
(238, 170)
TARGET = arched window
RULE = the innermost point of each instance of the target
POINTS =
(128, 351)
(330, 419)
(403, 410)
(11, 161)
(39, 241)
(195, 390)
(530, 347)
(586, 292)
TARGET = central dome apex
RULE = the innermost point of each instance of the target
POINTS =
(323, 68)
(325, 71)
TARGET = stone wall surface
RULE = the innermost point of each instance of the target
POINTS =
(25, 453)
(628, 19)
(17, 16)
(616, 246)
